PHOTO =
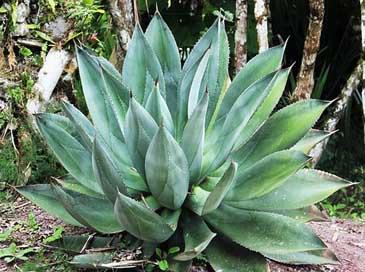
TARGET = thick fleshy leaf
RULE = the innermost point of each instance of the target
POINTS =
(264, 111)
(68, 182)
(324, 256)
(96, 98)
(192, 141)
(198, 84)
(92, 260)
(189, 71)
(281, 131)
(217, 72)
(179, 266)
(265, 175)
(312, 138)
(258, 67)
(117, 94)
(106, 172)
(219, 192)
(60, 135)
(95, 213)
(141, 221)
(75, 243)
(306, 187)
(196, 200)
(230, 257)
(235, 122)
(158, 109)
(81, 123)
(263, 231)
(141, 67)
(306, 214)
(140, 128)
(131, 178)
(197, 237)
(43, 196)
(167, 171)
(164, 45)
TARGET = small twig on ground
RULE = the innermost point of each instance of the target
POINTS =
(88, 242)
(27, 42)
(22, 205)
(13, 142)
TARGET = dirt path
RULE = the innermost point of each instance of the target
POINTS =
(345, 237)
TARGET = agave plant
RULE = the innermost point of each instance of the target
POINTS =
(187, 158)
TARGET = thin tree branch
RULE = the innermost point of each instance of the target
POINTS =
(337, 110)
(240, 36)
(305, 80)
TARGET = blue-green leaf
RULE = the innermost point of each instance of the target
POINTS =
(197, 237)
(81, 123)
(230, 257)
(43, 196)
(96, 98)
(141, 67)
(219, 192)
(141, 221)
(139, 129)
(193, 138)
(106, 172)
(61, 136)
(95, 213)
(258, 67)
(167, 171)
(306, 187)
(158, 109)
(263, 231)
(265, 175)
(164, 45)
(281, 131)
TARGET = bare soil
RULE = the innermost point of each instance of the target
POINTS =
(345, 237)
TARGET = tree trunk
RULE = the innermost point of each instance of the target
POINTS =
(305, 80)
(240, 36)
(123, 21)
(362, 7)
(261, 14)
(337, 110)
(48, 77)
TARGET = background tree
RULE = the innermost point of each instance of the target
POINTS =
(305, 79)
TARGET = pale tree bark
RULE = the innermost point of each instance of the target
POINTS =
(362, 6)
(240, 36)
(305, 80)
(48, 76)
(261, 14)
(123, 21)
(338, 109)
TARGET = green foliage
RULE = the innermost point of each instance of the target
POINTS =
(57, 234)
(346, 159)
(12, 252)
(30, 163)
(179, 159)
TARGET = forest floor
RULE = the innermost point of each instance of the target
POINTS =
(30, 226)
